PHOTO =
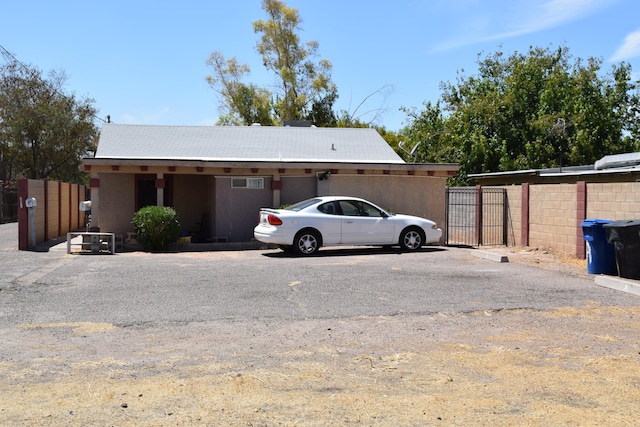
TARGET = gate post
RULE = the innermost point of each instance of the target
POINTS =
(447, 213)
(505, 218)
(479, 210)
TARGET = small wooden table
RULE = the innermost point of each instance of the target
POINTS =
(97, 241)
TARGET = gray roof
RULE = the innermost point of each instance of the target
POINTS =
(244, 143)
(627, 163)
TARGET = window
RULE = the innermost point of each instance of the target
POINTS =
(301, 205)
(251, 183)
(329, 208)
(357, 208)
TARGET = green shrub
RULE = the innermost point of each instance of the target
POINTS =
(157, 227)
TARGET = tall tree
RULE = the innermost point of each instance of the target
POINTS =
(533, 110)
(301, 80)
(304, 87)
(43, 132)
(242, 104)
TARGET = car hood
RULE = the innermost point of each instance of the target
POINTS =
(412, 218)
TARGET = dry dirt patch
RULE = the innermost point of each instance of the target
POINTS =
(570, 366)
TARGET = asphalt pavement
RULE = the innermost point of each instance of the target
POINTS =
(141, 288)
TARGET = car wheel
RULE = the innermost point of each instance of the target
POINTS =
(411, 239)
(306, 242)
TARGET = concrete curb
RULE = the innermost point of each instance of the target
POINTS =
(492, 256)
(619, 284)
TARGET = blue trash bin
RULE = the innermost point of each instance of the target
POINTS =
(601, 256)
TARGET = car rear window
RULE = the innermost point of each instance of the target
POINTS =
(301, 205)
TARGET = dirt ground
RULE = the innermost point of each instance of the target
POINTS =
(569, 367)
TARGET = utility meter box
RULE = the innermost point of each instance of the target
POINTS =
(31, 202)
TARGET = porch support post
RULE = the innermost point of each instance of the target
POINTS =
(94, 186)
(276, 186)
(160, 189)
(479, 210)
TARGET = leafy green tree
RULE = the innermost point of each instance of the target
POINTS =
(526, 111)
(301, 80)
(304, 87)
(242, 104)
(44, 132)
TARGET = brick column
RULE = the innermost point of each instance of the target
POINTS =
(23, 215)
(524, 233)
(581, 214)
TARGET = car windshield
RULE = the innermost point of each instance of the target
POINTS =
(301, 205)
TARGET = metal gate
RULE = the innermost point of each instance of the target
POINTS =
(8, 205)
(476, 216)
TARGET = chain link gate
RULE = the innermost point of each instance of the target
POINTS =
(476, 216)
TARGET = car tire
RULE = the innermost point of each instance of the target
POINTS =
(306, 242)
(411, 239)
(287, 249)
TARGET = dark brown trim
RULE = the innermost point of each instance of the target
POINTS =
(23, 215)
(524, 223)
(46, 210)
(581, 215)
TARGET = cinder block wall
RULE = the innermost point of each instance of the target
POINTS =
(554, 218)
(613, 201)
(413, 195)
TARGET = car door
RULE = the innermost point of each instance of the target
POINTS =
(330, 223)
(363, 223)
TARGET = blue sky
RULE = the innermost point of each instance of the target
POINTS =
(143, 62)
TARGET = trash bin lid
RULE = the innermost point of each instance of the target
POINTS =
(623, 223)
(593, 222)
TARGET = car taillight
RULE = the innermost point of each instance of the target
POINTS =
(274, 220)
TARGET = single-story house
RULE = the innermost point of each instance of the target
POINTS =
(218, 177)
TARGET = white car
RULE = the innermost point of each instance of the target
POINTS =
(335, 221)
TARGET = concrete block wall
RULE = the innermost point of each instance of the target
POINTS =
(514, 214)
(555, 212)
(552, 216)
(413, 195)
(614, 201)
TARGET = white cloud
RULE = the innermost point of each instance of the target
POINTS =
(558, 12)
(629, 49)
(524, 17)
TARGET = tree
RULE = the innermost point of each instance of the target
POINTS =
(241, 103)
(529, 111)
(44, 132)
(304, 87)
(301, 81)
